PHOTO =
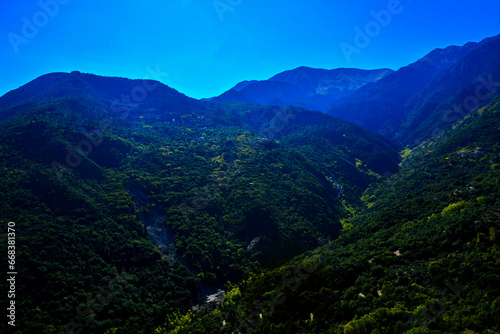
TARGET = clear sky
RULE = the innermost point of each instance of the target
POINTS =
(208, 46)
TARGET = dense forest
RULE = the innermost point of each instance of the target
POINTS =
(421, 257)
(125, 212)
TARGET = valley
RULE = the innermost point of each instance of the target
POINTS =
(375, 212)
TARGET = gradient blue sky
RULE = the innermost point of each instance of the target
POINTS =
(206, 52)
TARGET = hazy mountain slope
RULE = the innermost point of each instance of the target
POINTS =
(423, 256)
(242, 85)
(383, 106)
(451, 96)
(410, 105)
(310, 88)
(319, 81)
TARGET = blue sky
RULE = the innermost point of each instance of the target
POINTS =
(203, 48)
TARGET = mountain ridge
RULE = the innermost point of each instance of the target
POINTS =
(304, 87)
(390, 105)
(397, 104)
(184, 195)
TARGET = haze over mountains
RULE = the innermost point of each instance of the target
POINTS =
(310, 88)
(133, 203)
(407, 105)
(411, 103)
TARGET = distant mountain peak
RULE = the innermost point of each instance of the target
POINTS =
(449, 54)
(243, 84)
(311, 88)
(411, 103)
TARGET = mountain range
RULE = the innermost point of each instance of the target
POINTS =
(410, 105)
(137, 209)
(103, 173)
(305, 87)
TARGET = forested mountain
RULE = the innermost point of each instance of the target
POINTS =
(466, 86)
(422, 257)
(310, 88)
(428, 95)
(131, 200)
(133, 203)
(411, 105)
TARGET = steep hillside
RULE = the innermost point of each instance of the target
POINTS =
(350, 156)
(420, 101)
(412, 105)
(383, 106)
(465, 87)
(422, 257)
